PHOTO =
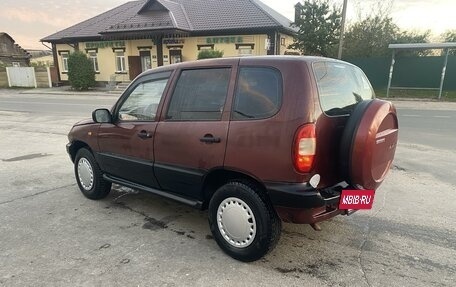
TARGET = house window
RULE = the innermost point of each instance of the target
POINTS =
(93, 57)
(206, 47)
(64, 62)
(16, 64)
(120, 61)
(245, 49)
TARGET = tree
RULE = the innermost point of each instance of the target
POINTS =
(319, 28)
(450, 36)
(81, 74)
(370, 37)
(407, 37)
(207, 54)
(374, 30)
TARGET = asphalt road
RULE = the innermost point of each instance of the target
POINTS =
(51, 235)
(54, 104)
(433, 126)
(419, 123)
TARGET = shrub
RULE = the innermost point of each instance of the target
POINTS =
(81, 74)
(207, 54)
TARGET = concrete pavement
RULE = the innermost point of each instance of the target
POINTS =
(52, 236)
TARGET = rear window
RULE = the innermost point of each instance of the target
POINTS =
(341, 87)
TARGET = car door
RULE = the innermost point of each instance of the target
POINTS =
(191, 138)
(126, 147)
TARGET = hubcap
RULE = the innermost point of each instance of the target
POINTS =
(85, 174)
(236, 222)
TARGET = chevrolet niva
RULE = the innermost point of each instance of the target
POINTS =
(255, 140)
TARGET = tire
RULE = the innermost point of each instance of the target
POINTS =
(368, 143)
(242, 202)
(89, 176)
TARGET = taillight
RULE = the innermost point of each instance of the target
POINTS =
(304, 149)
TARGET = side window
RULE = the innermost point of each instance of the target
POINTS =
(258, 93)
(64, 62)
(93, 57)
(200, 94)
(340, 87)
(142, 103)
(120, 61)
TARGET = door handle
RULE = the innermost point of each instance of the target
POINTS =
(208, 138)
(144, 134)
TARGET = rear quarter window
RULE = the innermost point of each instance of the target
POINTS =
(341, 87)
(258, 93)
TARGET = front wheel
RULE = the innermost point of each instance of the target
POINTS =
(89, 176)
(243, 224)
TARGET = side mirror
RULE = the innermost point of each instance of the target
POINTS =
(102, 116)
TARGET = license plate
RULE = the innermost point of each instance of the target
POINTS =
(356, 199)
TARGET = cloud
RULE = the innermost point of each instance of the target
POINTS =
(31, 16)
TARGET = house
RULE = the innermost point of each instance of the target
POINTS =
(144, 34)
(11, 54)
(41, 58)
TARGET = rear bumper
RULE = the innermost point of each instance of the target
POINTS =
(301, 203)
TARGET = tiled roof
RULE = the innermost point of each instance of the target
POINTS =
(184, 15)
(16, 50)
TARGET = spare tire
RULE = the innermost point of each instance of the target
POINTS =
(368, 143)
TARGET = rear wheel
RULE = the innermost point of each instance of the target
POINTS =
(89, 176)
(243, 224)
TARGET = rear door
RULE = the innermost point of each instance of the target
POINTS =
(191, 138)
(126, 147)
(341, 87)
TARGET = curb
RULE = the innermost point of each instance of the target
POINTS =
(94, 93)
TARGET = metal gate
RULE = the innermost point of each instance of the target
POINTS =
(21, 77)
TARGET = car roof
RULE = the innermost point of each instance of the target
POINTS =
(251, 59)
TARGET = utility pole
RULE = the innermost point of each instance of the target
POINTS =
(342, 29)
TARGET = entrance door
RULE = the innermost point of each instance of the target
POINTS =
(146, 63)
(126, 145)
(191, 139)
(134, 65)
(175, 56)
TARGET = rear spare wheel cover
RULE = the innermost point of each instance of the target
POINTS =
(373, 140)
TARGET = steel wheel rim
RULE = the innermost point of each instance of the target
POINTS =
(85, 174)
(236, 222)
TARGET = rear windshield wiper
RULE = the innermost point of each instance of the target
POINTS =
(347, 110)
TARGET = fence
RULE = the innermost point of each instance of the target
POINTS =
(3, 78)
(423, 72)
(39, 77)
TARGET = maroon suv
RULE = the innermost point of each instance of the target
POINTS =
(255, 140)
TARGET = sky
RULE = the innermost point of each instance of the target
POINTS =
(27, 21)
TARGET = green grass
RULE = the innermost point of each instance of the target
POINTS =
(417, 94)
